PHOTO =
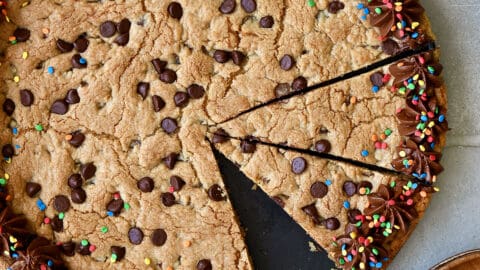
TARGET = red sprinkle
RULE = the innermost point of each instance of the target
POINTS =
(46, 220)
(92, 248)
(171, 189)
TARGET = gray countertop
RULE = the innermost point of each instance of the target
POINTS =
(451, 223)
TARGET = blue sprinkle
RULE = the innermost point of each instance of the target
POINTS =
(41, 205)
(371, 264)
(346, 204)
(50, 263)
(423, 176)
(424, 118)
(366, 11)
(82, 61)
(364, 18)
(441, 118)
(14, 131)
(9, 268)
(378, 265)
(110, 213)
(17, 146)
(404, 24)
(410, 80)
(344, 246)
(375, 89)
(50, 70)
(415, 35)
(14, 255)
(349, 258)
(364, 153)
(414, 185)
(328, 182)
(360, 6)
(416, 175)
(432, 145)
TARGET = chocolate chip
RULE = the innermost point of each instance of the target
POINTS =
(227, 6)
(204, 265)
(312, 212)
(88, 170)
(56, 223)
(266, 22)
(77, 139)
(221, 56)
(169, 125)
(352, 215)
(176, 182)
(168, 199)
(158, 103)
(331, 223)
(115, 206)
(135, 235)
(68, 248)
(248, 146)
(170, 160)
(142, 89)
(318, 189)
(350, 188)
(323, 146)
(195, 91)
(84, 250)
(108, 29)
(77, 61)
(118, 251)
(335, 6)
(237, 57)
(279, 201)
(81, 44)
(159, 237)
(59, 107)
(159, 65)
(220, 136)
(181, 99)
(61, 203)
(145, 184)
(64, 46)
(390, 47)
(365, 185)
(175, 10)
(299, 164)
(282, 89)
(168, 76)
(21, 34)
(8, 106)
(32, 189)
(248, 5)
(215, 192)
(123, 27)
(299, 83)
(287, 62)
(75, 180)
(8, 151)
(377, 79)
(78, 195)
(122, 39)
(72, 97)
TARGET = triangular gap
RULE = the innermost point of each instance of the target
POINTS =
(352, 162)
(265, 224)
(425, 48)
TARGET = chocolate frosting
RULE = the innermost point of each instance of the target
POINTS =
(421, 164)
(393, 18)
(39, 252)
(355, 249)
(394, 209)
(12, 225)
(422, 120)
(422, 71)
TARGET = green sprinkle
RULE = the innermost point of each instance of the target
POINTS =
(311, 3)
(411, 86)
(378, 10)
(388, 132)
(126, 206)
(393, 184)
(375, 251)
(104, 229)
(84, 242)
(385, 233)
(39, 127)
(61, 215)
(3, 181)
(114, 256)
(341, 261)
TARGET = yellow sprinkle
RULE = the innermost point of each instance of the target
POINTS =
(353, 235)
(6, 253)
(402, 154)
(361, 249)
(26, 3)
(7, 176)
(24, 55)
(8, 160)
(8, 20)
(434, 179)
(415, 77)
(12, 239)
(415, 25)
(147, 261)
(436, 189)
(421, 83)
(187, 243)
(422, 148)
(431, 124)
(362, 265)
(112, 259)
(344, 252)
(16, 79)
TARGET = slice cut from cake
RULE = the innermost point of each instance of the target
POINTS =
(393, 117)
(360, 217)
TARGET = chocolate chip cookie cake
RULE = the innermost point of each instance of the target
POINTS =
(110, 109)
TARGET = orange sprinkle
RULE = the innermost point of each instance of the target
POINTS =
(68, 137)
(46, 31)
(169, 268)
(383, 136)
(374, 138)
(12, 38)
(8, 198)
(423, 194)
(353, 100)
(187, 243)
